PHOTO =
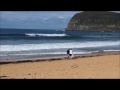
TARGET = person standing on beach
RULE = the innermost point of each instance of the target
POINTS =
(70, 53)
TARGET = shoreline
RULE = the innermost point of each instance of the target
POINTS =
(105, 66)
(58, 57)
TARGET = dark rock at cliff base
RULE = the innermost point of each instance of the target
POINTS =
(95, 21)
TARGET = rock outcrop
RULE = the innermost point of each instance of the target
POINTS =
(95, 21)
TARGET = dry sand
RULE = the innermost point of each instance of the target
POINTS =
(98, 67)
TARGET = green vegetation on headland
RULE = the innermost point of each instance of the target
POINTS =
(95, 21)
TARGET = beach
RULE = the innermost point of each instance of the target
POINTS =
(105, 66)
(40, 51)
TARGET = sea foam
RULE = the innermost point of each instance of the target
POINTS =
(23, 47)
(49, 35)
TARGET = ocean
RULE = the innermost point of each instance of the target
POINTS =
(23, 44)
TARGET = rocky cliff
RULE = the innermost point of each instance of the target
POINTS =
(95, 21)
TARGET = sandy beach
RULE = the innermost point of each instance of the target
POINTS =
(97, 67)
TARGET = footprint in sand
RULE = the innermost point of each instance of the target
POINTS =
(29, 74)
(74, 66)
(2, 77)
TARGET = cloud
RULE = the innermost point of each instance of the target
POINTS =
(116, 11)
(61, 17)
(13, 16)
(45, 18)
(33, 15)
(40, 18)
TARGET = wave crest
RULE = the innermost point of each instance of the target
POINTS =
(47, 35)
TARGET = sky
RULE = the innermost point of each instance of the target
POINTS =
(36, 19)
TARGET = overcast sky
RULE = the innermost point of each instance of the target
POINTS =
(36, 19)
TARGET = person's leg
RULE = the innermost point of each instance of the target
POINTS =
(70, 56)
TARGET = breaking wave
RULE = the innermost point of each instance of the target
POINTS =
(48, 35)
(23, 47)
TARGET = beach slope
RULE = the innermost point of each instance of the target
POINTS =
(98, 67)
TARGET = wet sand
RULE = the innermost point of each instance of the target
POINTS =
(96, 67)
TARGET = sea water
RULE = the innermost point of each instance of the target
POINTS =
(27, 42)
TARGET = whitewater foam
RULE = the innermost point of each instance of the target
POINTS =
(49, 35)
(110, 50)
(23, 47)
(47, 53)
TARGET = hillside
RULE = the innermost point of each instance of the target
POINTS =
(95, 21)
